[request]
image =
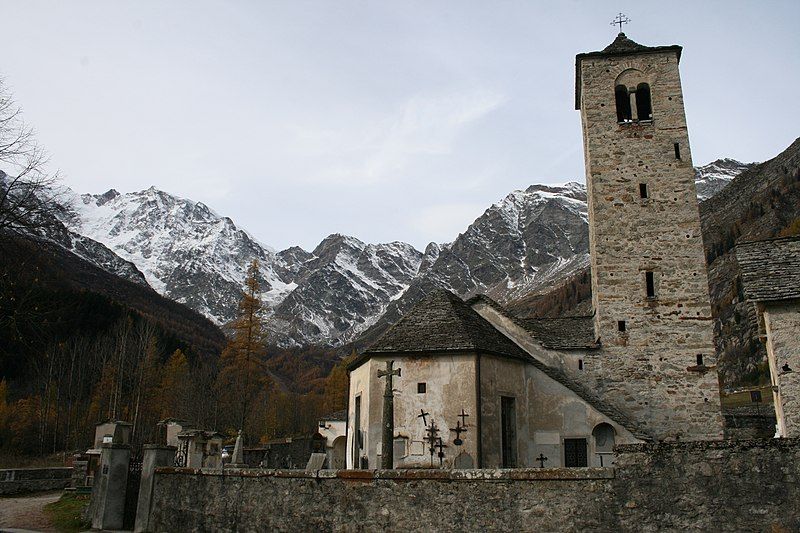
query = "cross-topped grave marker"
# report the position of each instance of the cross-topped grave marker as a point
(541, 460)
(463, 416)
(619, 20)
(387, 440)
(459, 429)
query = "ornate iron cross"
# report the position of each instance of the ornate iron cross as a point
(541, 460)
(619, 20)
(441, 446)
(459, 429)
(387, 440)
(463, 416)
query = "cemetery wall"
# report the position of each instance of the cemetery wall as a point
(19, 480)
(720, 485)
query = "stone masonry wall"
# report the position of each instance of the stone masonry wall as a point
(19, 480)
(712, 486)
(647, 369)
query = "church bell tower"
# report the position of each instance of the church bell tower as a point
(649, 282)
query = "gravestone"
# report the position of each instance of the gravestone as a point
(316, 462)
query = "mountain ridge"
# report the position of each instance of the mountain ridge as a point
(344, 287)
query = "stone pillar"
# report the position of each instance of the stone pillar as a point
(108, 494)
(155, 455)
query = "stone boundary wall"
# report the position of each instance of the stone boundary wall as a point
(720, 485)
(20, 480)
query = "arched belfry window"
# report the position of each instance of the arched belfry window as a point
(632, 96)
(644, 110)
(623, 103)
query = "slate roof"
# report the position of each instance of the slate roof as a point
(335, 416)
(443, 322)
(770, 268)
(565, 333)
(621, 46)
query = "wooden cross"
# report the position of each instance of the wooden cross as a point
(463, 416)
(423, 415)
(387, 440)
(620, 19)
(541, 460)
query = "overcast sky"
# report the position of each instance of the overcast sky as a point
(386, 120)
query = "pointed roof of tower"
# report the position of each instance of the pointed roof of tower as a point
(621, 46)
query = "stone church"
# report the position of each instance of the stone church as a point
(482, 388)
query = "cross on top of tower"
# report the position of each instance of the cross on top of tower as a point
(619, 20)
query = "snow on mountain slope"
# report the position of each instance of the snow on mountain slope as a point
(528, 240)
(713, 177)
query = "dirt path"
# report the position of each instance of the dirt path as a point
(27, 511)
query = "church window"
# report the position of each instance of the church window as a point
(644, 109)
(643, 191)
(575, 452)
(422, 388)
(677, 150)
(621, 326)
(623, 103)
(508, 428)
(650, 284)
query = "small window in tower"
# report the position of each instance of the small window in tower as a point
(699, 359)
(677, 150)
(422, 388)
(580, 364)
(643, 191)
(644, 110)
(755, 396)
(650, 283)
(623, 103)
(621, 326)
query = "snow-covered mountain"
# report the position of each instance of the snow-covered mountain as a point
(343, 287)
(713, 177)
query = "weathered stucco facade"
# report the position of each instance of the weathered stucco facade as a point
(649, 281)
(782, 323)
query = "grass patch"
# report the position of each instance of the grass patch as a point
(67, 513)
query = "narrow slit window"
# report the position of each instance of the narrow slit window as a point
(643, 193)
(580, 364)
(677, 150)
(699, 359)
(621, 326)
(422, 388)
(650, 284)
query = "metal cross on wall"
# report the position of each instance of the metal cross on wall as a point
(441, 446)
(463, 416)
(619, 20)
(387, 440)
(424, 416)
(541, 460)
(432, 432)
(459, 429)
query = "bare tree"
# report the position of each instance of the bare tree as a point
(27, 192)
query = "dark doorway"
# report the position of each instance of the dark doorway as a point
(357, 438)
(575, 452)
(508, 421)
